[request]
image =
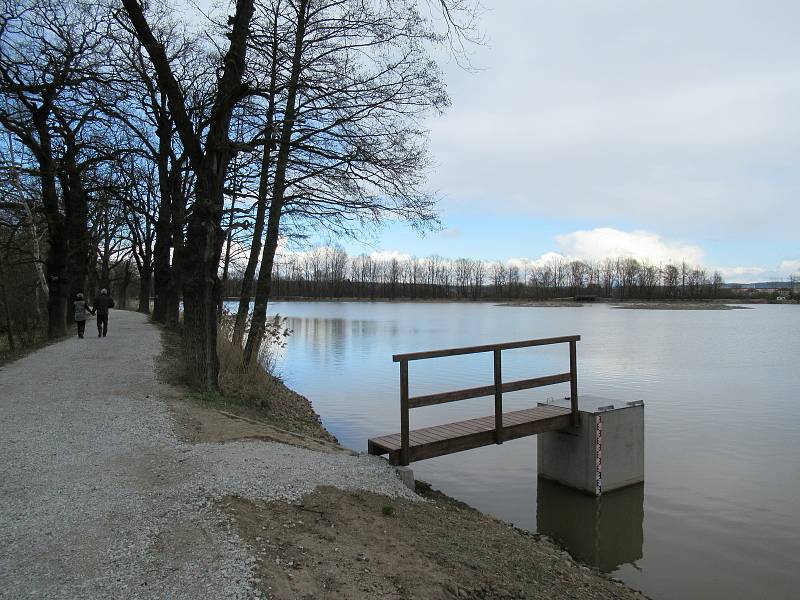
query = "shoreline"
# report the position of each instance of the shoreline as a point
(521, 302)
(345, 543)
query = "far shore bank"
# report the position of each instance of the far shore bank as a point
(628, 303)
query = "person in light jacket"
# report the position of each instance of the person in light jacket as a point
(81, 308)
(101, 305)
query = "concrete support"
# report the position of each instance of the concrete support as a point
(605, 452)
(406, 475)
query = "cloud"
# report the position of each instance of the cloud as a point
(450, 232)
(606, 242)
(746, 274)
(791, 266)
(605, 111)
(387, 255)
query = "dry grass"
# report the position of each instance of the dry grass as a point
(254, 384)
(253, 391)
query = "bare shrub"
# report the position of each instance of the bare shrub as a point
(254, 384)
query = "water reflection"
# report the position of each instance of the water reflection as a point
(604, 532)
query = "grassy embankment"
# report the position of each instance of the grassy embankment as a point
(251, 392)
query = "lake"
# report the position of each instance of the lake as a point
(719, 513)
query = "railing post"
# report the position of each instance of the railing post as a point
(573, 382)
(498, 398)
(404, 443)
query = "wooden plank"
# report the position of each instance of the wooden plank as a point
(486, 390)
(486, 438)
(387, 440)
(498, 397)
(465, 434)
(404, 411)
(422, 436)
(529, 428)
(444, 397)
(517, 417)
(526, 384)
(469, 427)
(476, 440)
(573, 386)
(484, 348)
(432, 434)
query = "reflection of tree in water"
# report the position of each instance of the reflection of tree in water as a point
(604, 531)
(331, 339)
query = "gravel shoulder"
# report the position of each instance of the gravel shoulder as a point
(117, 485)
(102, 499)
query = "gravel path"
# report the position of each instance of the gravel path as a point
(99, 499)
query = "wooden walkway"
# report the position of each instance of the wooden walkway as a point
(409, 446)
(473, 433)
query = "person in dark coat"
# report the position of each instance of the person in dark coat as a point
(101, 305)
(82, 309)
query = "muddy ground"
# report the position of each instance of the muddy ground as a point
(339, 544)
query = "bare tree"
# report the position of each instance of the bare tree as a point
(209, 157)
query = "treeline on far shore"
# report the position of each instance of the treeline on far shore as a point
(330, 273)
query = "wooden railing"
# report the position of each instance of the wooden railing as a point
(498, 388)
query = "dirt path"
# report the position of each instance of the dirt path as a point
(101, 499)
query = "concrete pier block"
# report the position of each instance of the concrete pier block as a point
(605, 452)
(602, 531)
(406, 475)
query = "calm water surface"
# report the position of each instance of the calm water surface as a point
(719, 513)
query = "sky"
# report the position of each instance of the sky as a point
(663, 130)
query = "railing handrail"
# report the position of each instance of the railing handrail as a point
(409, 402)
(484, 348)
(487, 390)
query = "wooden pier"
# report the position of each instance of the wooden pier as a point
(410, 446)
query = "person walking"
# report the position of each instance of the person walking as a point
(81, 309)
(101, 305)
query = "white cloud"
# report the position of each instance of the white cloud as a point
(450, 232)
(389, 255)
(606, 242)
(791, 266)
(681, 116)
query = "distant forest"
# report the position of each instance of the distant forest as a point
(327, 272)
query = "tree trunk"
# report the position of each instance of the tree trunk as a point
(227, 263)
(145, 283)
(77, 232)
(201, 289)
(264, 285)
(55, 265)
(7, 310)
(123, 289)
(255, 250)
(200, 257)
(161, 249)
(172, 293)
(246, 290)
